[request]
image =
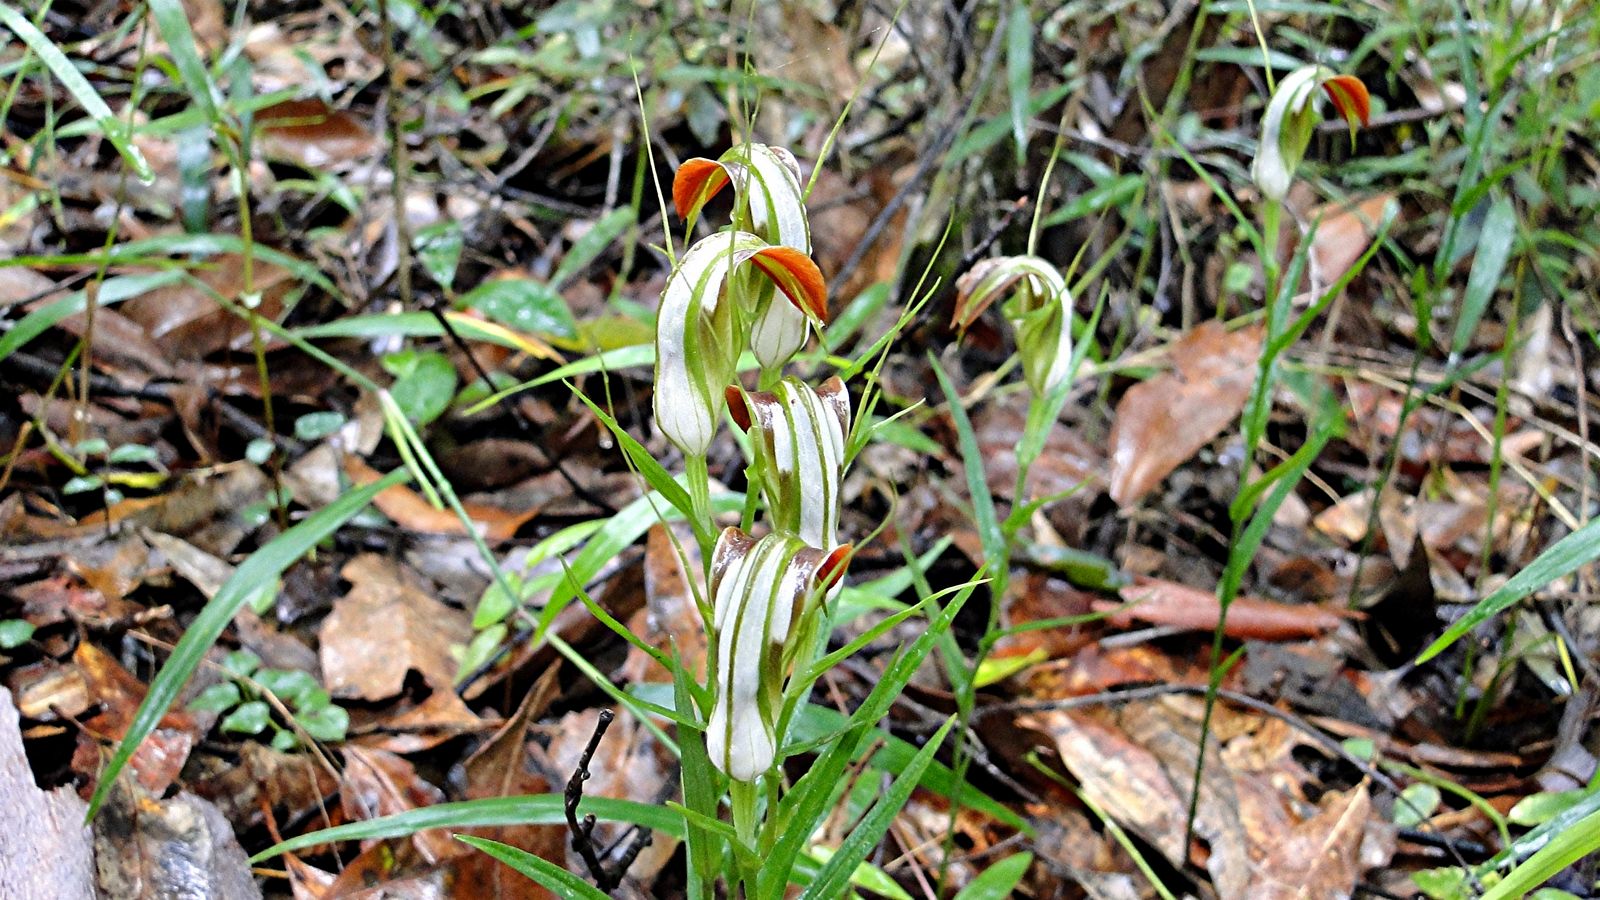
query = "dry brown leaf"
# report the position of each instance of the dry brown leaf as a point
(383, 784)
(669, 618)
(1320, 858)
(385, 627)
(1162, 422)
(500, 768)
(629, 765)
(1067, 463)
(159, 759)
(185, 319)
(1176, 605)
(410, 510)
(1137, 763)
(312, 135)
(1344, 231)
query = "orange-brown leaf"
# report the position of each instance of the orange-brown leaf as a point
(1159, 602)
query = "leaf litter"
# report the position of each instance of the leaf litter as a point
(1433, 491)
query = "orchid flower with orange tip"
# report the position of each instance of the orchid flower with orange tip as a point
(1038, 306)
(797, 439)
(760, 588)
(766, 183)
(698, 335)
(1291, 116)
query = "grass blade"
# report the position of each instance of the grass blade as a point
(173, 23)
(834, 877)
(528, 809)
(263, 567)
(547, 873)
(999, 880)
(1494, 248)
(973, 460)
(1557, 561)
(115, 130)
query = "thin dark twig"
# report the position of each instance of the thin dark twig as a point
(583, 832)
(977, 252)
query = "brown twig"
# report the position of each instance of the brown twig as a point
(583, 832)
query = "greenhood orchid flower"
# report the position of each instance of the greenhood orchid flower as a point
(797, 438)
(698, 336)
(769, 199)
(1039, 308)
(1291, 116)
(760, 588)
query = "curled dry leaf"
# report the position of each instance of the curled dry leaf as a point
(1343, 233)
(118, 693)
(1175, 605)
(1162, 422)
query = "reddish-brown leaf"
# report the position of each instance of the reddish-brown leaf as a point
(1162, 422)
(1175, 605)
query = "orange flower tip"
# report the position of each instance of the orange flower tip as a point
(1350, 97)
(737, 407)
(832, 568)
(695, 182)
(798, 277)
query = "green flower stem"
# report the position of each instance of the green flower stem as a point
(744, 797)
(698, 477)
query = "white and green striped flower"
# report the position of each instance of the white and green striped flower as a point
(1292, 116)
(797, 439)
(769, 200)
(1039, 308)
(698, 336)
(760, 589)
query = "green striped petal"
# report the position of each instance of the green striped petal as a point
(797, 441)
(698, 339)
(760, 588)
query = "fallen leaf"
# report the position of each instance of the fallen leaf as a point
(1176, 605)
(669, 618)
(187, 323)
(383, 784)
(161, 756)
(1162, 422)
(312, 135)
(1137, 766)
(500, 768)
(385, 627)
(1320, 858)
(1344, 231)
(411, 510)
(629, 764)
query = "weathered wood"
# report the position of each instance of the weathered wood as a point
(46, 850)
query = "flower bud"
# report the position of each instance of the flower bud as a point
(759, 589)
(797, 440)
(1039, 308)
(698, 339)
